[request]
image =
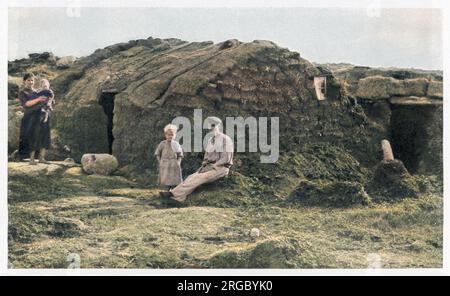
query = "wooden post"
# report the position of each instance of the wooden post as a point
(387, 150)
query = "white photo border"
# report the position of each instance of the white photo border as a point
(445, 5)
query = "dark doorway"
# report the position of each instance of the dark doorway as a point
(409, 137)
(107, 101)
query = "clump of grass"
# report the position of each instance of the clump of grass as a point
(272, 183)
(328, 162)
(25, 187)
(330, 194)
(25, 225)
(392, 182)
(276, 253)
(236, 190)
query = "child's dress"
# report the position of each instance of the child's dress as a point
(170, 154)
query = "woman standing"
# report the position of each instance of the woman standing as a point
(34, 133)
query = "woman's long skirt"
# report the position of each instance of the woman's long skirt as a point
(34, 133)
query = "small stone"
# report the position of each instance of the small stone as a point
(74, 261)
(254, 233)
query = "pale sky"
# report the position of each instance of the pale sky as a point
(407, 38)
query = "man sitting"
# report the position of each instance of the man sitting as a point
(216, 164)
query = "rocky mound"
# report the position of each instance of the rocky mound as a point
(392, 181)
(383, 83)
(409, 102)
(156, 80)
(44, 63)
(118, 100)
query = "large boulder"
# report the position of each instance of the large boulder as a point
(435, 89)
(100, 164)
(380, 87)
(65, 62)
(415, 82)
(415, 87)
(43, 57)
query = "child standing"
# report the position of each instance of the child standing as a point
(169, 154)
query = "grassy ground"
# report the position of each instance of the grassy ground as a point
(111, 222)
